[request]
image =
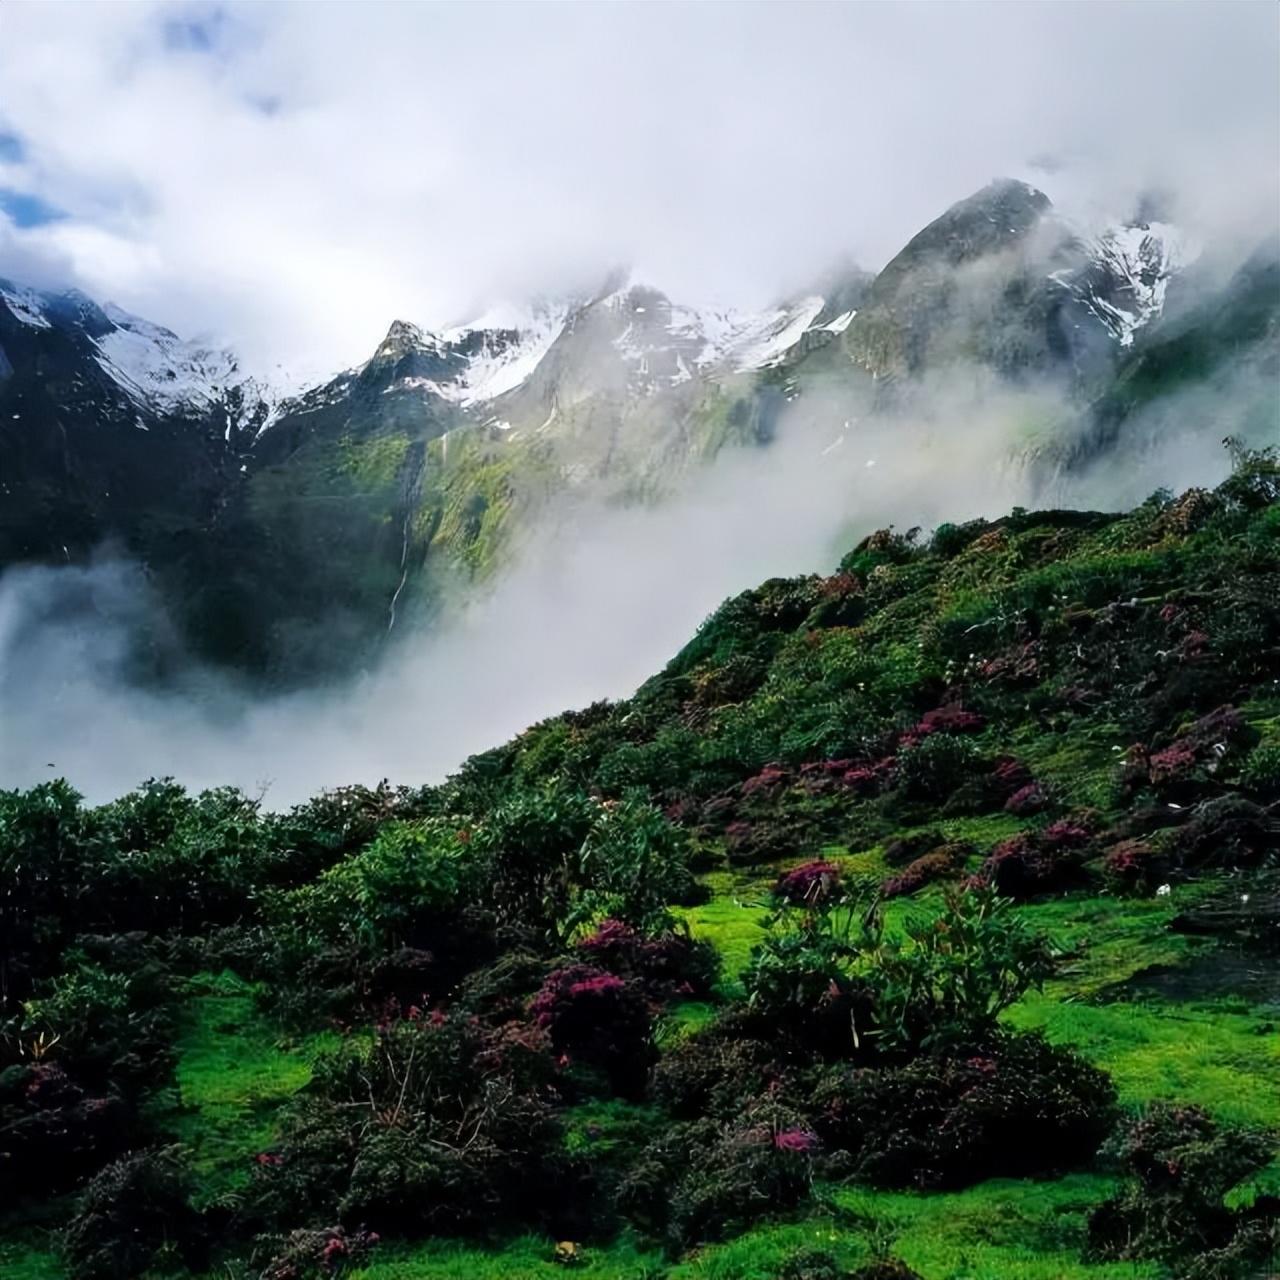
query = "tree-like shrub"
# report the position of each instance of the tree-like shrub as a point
(1026, 865)
(718, 1069)
(936, 766)
(316, 1253)
(937, 864)
(1260, 773)
(707, 1180)
(53, 1131)
(435, 1125)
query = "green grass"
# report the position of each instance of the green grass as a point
(1223, 1060)
(1000, 1230)
(22, 1259)
(234, 1070)
(528, 1258)
(732, 921)
(1220, 1054)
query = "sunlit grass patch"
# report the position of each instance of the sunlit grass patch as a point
(999, 1230)
(233, 1073)
(732, 920)
(528, 1258)
(1223, 1060)
(23, 1259)
(1218, 1053)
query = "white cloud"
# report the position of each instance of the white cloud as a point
(292, 176)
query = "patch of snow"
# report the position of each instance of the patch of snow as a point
(26, 305)
(1133, 264)
(839, 324)
(779, 333)
(744, 341)
(511, 345)
(165, 373)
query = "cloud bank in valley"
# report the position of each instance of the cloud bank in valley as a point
(293, 176)
(594, 606)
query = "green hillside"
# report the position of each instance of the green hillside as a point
(919, 919)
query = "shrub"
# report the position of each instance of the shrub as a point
(400, 889)
(816, 1264)
(530, 845)
(767, 837)
(1135, 866)
(1261, 771)
(1225, 832)
(904, 849)
(1025, 865)
(666, 964)
(435, 1125)
(1183, 1166)
(811, 884)
(1028, 799)
(943, 861)
(947, 977)
(935, 767)
(134, 1215)
(633, 864)
(311, 1253)
(759, 1164)
(54, 1131)
(1013, 1107)
(799, 981)
(600, 1019)
(718, 1069)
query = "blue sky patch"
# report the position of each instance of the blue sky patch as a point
(11, 149)
(197, 34)
(27, 210)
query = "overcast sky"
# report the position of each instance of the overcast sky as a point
(292, 177)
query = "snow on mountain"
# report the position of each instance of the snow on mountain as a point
(156, 366)
(511, 346)
(26, 304)
(167, 373)
(473, 363)
(1128, 274)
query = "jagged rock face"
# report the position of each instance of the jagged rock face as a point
(295, 529)
(973, 286)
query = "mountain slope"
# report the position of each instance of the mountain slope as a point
(860, 929)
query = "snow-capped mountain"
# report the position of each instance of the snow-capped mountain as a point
(267, 511)
(161, 373)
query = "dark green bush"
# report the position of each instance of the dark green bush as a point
(135, 1215)
(1183, 1165)
(1013, 1107)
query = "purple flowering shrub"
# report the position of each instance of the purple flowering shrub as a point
(133, 1217)
(598, 1019)
(1028, 864)
(811, 884)
(666, 965)
(763, 1158)
(315, 1253)
(54, 1130)
(433, 1126)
